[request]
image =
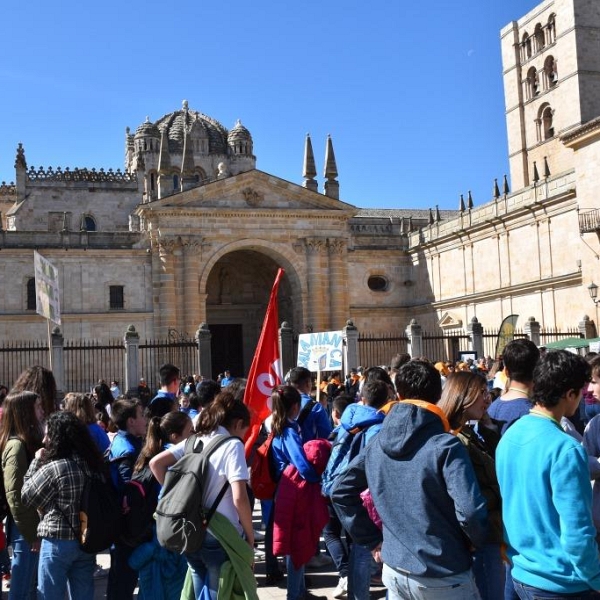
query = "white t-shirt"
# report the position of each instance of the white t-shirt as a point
(228, 463)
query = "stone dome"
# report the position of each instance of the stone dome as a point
(175, 122)
(147, 129)
(238, 133)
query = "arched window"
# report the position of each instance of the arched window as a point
(31, 302)
(551, 29)
(152, 182)
(532, 86)
(550, 72)
(547, 123)
(175, 183)
(88, 223)
(525, 47)
(540, 41)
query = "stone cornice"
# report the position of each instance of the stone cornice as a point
(583, 135)
(529, 287)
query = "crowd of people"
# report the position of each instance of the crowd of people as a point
(464, 480)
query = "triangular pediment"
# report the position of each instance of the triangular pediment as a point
(449, 321)
(251, 191)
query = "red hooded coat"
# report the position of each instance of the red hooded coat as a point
(300, 509)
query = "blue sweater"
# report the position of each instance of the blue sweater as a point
(547, 507)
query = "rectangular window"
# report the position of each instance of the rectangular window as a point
(31, 301)
(116, 297)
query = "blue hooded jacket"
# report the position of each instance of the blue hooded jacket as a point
(363, 417)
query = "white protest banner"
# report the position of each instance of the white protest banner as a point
(321, 351)
(47, 291)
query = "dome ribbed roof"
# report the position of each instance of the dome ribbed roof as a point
(175, 122)
(239, 132)
(147, 129)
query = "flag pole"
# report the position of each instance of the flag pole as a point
(49, 344)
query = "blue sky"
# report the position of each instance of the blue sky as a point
(411, 92)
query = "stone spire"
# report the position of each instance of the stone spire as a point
(505, 188)
(165, 181)
(188, 177)
(536, 175)
(332, 187)
(469, 200)
(496, 191)
(310, 170)
(21, 172)
(461, 205)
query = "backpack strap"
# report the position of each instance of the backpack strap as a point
(305, 412)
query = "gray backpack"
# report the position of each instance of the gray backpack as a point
(181, 517)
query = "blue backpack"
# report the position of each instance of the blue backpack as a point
(347, 445)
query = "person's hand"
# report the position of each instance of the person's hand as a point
(35, 547)
(376, 553)
(41, 453)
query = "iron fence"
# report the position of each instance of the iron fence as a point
(378, 348)
(154, 353)
(552, 335)
(445, 346)
(86, 362)
(15, 357)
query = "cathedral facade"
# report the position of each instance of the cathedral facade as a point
(191, 232)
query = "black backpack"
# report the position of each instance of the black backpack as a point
(99, 514)
(140, 498)
(181, 517)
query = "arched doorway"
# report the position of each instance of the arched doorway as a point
(238, 290)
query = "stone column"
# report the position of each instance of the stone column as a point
(156, 271)
(132, 360)
(338, 288)
(587, 328)
(57, 357)
(203, 337)
(414, 333)
(475, 331)
(286, 347)
(351, 356)
(317, 313)
(532, 329)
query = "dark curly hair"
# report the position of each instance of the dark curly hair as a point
(67, 436)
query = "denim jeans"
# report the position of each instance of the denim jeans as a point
(206, 566)
(359, 572)
(404, 585)
(332, 534)
(24, 566)
(509, 587)
(64, 565)
(526, 592)
(296, 588)
(489, 572)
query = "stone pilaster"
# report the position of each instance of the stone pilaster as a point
(166, 292)
(57, 357)
(351, 356)
(532, 329)
(338, 289)
(286, 347)
(192, 248)
(475, 332)
(318, 314)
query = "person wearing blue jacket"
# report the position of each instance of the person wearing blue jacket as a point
(424, 488)
(315, 424)
(545, 484)
(287, 449)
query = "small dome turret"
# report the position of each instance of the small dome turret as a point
(240, 140)
(147, 137)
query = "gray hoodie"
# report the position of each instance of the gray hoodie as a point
(425, 491)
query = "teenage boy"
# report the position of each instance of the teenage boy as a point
(424, 488)
(128, 416)
(545, 484)
(165, 400)
(314, 421)
(520, 358)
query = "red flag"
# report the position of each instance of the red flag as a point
(265, 372)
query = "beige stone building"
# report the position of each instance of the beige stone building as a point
(192, 232)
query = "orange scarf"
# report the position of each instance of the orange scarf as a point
(436, 410)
